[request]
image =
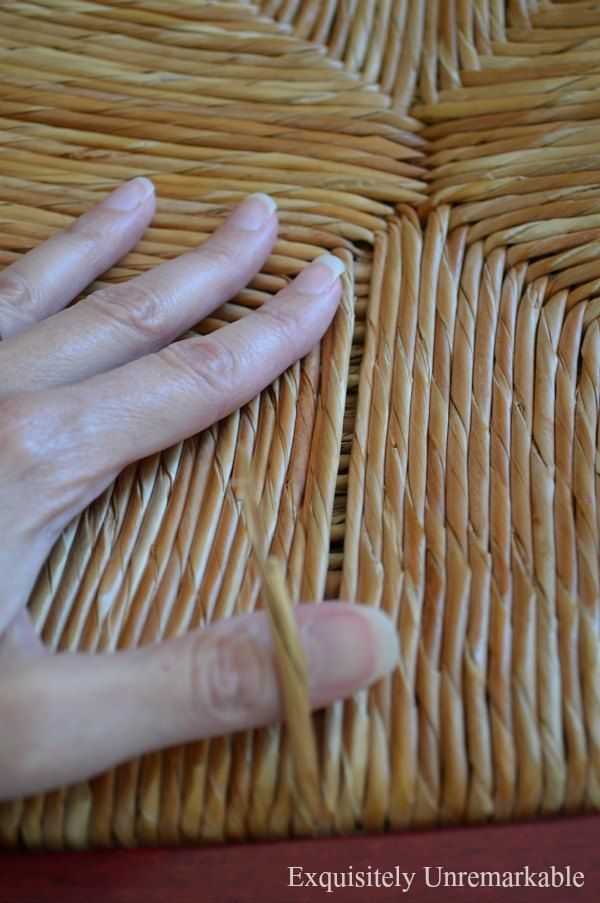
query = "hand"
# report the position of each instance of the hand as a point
(86, 390)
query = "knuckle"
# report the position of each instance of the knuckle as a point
(211, 362)
(231, 680)
(138, 309)
(87, 234)
(286, 322)
(221, 255)
(217, 364)
(18, 295)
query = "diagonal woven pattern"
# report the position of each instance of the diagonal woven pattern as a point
(438, 455)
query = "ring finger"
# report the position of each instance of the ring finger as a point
(118, 324)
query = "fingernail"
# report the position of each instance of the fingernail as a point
(320, 274)
(348, 647)
(130, 195)
(253, 212)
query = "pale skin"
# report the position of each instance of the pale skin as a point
(86, 390)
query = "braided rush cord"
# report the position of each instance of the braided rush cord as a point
(437, 456)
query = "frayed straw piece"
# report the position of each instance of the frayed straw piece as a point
(292, 666)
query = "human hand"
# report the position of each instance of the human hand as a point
(88, 389)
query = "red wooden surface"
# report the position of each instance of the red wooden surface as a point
(258, 872)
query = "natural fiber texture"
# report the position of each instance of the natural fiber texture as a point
(292, 670)
(437, 456)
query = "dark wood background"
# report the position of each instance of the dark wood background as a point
(258, 872)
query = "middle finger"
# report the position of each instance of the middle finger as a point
(121, 323)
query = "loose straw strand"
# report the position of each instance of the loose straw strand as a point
(292, 667)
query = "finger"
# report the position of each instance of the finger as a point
(115, 418)
(123, 322)
(47, 278)
(73, 716)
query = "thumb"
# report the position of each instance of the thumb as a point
(71, 716)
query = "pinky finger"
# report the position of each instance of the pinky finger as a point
(46, 279)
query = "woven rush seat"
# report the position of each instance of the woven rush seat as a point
(438, 455)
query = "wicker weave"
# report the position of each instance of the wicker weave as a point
(439, 454)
